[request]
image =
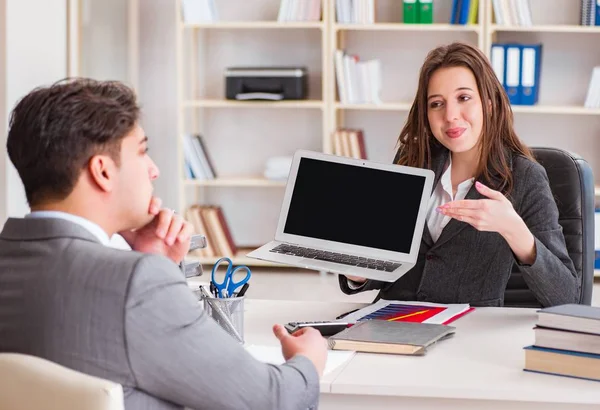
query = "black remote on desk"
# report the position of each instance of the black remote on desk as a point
(325, 327)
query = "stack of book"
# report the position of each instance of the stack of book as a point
(590, 13)
(518, 67)
(198, 164)
(567, 342)
(349, 143)
(359, 82)
(355, 11)
(512, 12)
(210, 221)
(464, 12)
(592, 99)
(199, 11)
(299, 10)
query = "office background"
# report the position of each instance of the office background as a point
(138, 41)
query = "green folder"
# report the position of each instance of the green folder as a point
(425, 11)
(411, 15)
(473, 11)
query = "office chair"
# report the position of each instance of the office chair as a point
(29, 382)
(572, 184)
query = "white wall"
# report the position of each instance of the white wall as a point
(36, 54)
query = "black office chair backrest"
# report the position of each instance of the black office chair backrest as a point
(572, 184)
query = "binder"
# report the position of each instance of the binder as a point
(410, 12)
(597, 15)
(426, 11)
(498, 56)
(473, 12)
(455, 11)
(513, 73)
(464, 11)
(530, 73)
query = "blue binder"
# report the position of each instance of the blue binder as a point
(512, 76)
(463, 18)
(531, 56)
(597, 22)
(455, 11)
(498, 60)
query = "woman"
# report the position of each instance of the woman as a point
(491, 206)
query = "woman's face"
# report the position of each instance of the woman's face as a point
(454, 109)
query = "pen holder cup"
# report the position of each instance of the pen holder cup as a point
(228, 313)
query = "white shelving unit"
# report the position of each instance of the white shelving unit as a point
(242, 135)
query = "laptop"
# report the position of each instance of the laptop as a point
(350, 216)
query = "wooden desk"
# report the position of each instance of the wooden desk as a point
(479, 368)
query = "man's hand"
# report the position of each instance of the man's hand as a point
(167, 234)
(306, 342)
(356, 279)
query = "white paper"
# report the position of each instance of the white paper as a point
(273, 355)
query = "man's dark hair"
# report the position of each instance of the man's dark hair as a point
(55, 130)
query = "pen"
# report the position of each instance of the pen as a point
(242, 291)
(224, 318)
(346, 314)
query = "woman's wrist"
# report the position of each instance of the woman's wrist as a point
(521, 241)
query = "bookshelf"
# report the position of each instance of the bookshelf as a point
(242, 135)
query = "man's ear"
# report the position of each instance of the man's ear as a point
(103, 171)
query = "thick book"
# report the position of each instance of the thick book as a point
(567, 340)
(577, 318)
(562, 363)
(380, 336)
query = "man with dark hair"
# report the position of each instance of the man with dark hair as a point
(126, 316)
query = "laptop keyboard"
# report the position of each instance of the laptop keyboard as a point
(350, 260)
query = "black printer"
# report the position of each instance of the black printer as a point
(266, 83)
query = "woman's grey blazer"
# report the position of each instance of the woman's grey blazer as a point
(469, 266)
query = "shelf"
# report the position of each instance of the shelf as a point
(525, 109)
(235, 182)
(239, 259)
(223, 25)
(555, 109)
(406, 27)
(548, 29)
(375, 107)
(253, 104)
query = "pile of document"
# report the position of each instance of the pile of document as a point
(278, 168)
(567, 342)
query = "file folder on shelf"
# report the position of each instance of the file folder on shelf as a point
(425, 11)
(513, 73)
(531, 55)
(498, 62)
(410, 12)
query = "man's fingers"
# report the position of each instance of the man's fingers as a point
(280, 332)
(164, 222)
(174, 229)
(155, 204)
(186, 232)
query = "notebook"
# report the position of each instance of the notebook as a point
(380, 336)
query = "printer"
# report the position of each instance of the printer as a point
(266, 83)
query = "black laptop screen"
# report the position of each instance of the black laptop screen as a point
(354, 205)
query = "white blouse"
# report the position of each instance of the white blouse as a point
(441, 195)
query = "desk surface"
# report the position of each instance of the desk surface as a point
(484, 360)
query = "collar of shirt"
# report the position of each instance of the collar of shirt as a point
(446, 181)
(93, 228)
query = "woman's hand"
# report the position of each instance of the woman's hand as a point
(495, 214)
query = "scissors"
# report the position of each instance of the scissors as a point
(227, 287)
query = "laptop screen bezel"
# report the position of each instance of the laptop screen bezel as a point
(345, 247)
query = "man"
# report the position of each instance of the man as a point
(127, 316)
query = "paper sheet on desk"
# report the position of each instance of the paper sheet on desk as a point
(273, 355)
(420, 312)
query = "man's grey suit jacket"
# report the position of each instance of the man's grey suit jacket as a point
(130, 318)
